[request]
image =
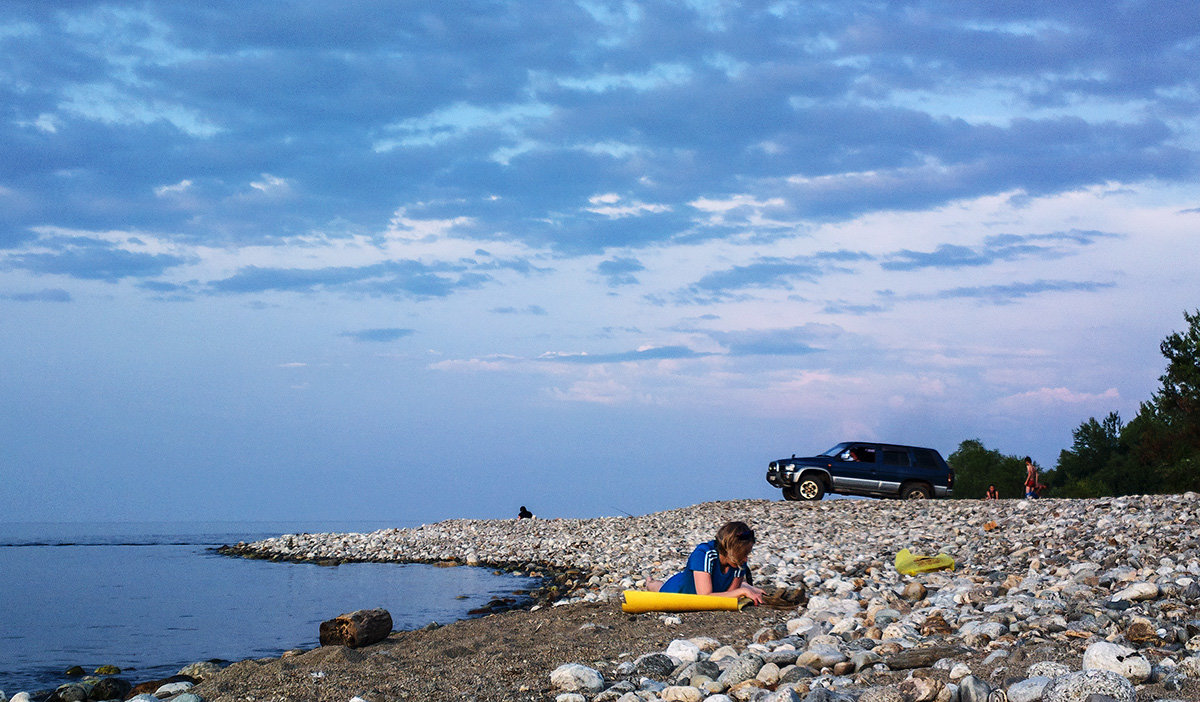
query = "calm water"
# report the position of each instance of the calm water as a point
(151, 598)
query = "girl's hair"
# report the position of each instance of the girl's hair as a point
(734, 541)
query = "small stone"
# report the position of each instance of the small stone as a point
(111, 689)
(654, 665)
(1190, 666)
(1121, 660)
(564, 697)
(973, 689)
(920, 689)
(1137, 592)
(172, 689)
(1074, 687)
(573, 677)
(73, 692)
(683, 650)
(742, 669)
(864, 659)
(914, 592)
(108, 670)
(768, 674)
(681, 693)
(1141, 631)
(1027, 690)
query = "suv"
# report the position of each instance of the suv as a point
(861, 468)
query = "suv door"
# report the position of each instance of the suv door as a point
(855, 470)
(894, 466)
(929, 464)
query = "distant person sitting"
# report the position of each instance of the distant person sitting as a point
(992, 493)
(1031, 481)
(524, 513)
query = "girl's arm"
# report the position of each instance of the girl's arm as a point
(736, 588)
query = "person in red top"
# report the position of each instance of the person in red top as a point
(1031, 481)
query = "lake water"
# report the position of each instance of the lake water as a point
(150, 598)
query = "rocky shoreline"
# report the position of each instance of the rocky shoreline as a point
(1055, 600)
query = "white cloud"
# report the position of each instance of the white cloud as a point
(109, 103)
(610, 205)
(180, 187)
(460, 119)
(1061, 396)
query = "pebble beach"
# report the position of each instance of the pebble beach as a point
(1055, 600)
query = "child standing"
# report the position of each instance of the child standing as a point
(717, 567)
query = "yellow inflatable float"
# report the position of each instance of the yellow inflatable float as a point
(911, 564)
(644, 601)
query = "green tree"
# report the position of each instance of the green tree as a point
(1159, 450)
(1083, 469)
(1165, 436)
(976, 467)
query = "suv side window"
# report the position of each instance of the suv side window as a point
(895, 458)
(924, 458)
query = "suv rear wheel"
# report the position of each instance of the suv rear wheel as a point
(915, 491)
(810, 488)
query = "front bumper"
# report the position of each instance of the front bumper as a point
(778, 474)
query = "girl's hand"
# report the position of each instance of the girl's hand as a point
(753, 593)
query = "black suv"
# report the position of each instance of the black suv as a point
(862, 468)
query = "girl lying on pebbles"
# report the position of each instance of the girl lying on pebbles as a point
(717, 567)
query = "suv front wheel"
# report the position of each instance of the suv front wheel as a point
(810, 488)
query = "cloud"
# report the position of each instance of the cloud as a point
(649, 353)
(93, 259)
(379, 335)
(403, 278)
(677, 122)
(1008, 293)
(1000, 247)
(620, 271)
(769, 272)
(1062, 396)
(796, 341)
(529, 309)
(47, 295)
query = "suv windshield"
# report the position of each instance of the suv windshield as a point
(836, 449)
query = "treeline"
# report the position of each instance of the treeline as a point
(1158, 451)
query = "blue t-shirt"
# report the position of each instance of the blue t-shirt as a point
(705, 560)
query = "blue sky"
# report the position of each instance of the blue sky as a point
(414, 261)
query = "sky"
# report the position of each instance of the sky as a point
(417, 261)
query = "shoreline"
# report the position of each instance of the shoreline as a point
(1039, 586)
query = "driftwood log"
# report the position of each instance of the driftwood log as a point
(357, 629)
(921, 657)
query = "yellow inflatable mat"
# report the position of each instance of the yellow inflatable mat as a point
(911, 564)
(644, 601)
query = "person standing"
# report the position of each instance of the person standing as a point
(1031, 481)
